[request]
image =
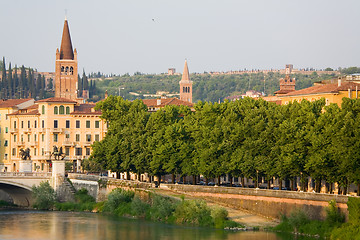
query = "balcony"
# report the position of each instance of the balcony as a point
(42, 130)
(56, 130)
(34, 143)
(68, 143)
(27, 130)
(87, 144)
(14, 130)
(20, 144)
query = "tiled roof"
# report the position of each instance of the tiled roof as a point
(325, 88)
(12, 102)
(85, 109)
(165, 102)
(282, 91)
(56, 99)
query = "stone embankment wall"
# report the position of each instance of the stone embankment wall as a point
(269, 203)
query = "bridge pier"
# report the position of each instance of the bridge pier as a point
(58, 173)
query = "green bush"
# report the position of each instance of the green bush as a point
(82, 196)
(162, 208)
(333, 215)
(5, 204)
(219, 216)
(297, 219)
(193, 212)
(117, 197)
(139, 207)
(44, 196)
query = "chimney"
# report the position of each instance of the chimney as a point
(158, 102)
(339, 82)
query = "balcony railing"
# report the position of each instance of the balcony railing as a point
(20, 144)
(14, 130)
(34, 143)
(26, 130)
(68, 143)
(87, 143)
(56, 130)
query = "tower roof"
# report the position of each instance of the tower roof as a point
(185, 76)
(66, 50)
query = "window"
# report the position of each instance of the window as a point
(35, 151)
(29, 137)
(56, 137)
(67, 110)
(35, 124)
(28, 124)
(56, 110)
(87, 123)
(43, 109)
(15, 138)
(67, 136)
(42, 152)
(42, 166)
(43, 124)
(77, 137)
(6, 156)
(97, 137)
(78, 151)
(42, 137)
(88, 137)
(35, 137)
(56, 124)
(14, 151)
(22, 124)
(6, 143)
(15, 125)
(97, 124)
(87, 151)
(22, 138)
(61, 109)
(77, 123)
(67, 123)
(6, 129)
(67, 151)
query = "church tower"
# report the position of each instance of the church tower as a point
(66, 67)
(186, 85)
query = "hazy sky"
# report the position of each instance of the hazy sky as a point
(119, 36)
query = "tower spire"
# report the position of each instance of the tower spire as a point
(185, 76)
(66, 50)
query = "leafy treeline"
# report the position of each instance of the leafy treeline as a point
(206, 87)
(247, 138)
(24, 85)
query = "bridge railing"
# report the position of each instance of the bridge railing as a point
(25, 174)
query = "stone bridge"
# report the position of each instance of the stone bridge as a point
(18, 186)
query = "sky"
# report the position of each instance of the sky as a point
(150, 36)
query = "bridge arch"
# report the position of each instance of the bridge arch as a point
(19, 193)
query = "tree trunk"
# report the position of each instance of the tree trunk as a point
(194, 180)
(207, 181)
(117, 175)
(280, 184)
(173, 178)
(231, 180)
(358, 190)
(159, 179)
(268, 184)
(331, 188)
(242, 182)
(184, 179)
(218, 178)
(339, 189)
(291, 184)
(318, 185)
(127, 175)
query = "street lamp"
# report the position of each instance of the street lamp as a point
(120, 91)
(257, 179)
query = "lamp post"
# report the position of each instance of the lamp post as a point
(120, 91)
(301, 182)
(257, 179)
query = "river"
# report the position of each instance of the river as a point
(87, 226)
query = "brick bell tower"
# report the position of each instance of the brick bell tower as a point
(66, 67)
(186, 85)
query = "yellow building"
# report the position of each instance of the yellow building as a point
(7, 107)
(331, 92)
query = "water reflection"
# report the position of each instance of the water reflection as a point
(87, 226)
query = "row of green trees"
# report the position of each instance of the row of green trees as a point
(246, 138)
(90, 86)
(26, 84)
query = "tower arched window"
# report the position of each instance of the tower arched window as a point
(56, 110)
(62, 69)
(71, 71)
(61, 109)
(67, 69)
(43, 109)
(68, 110)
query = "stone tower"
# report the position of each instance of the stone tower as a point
(66, 67)
(186, 85)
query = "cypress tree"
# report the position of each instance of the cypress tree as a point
(80, 86)
(16, 83)
(22, 82)
(3, 80)
(10, 82)
(38, 85)
(85, 81)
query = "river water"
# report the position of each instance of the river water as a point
(87, 226)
